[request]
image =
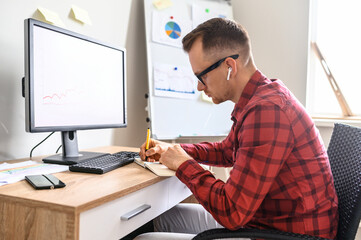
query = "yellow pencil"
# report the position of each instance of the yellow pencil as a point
(147, 142)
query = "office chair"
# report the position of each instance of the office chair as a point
(344, 153)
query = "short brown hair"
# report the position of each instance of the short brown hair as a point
(219, 34)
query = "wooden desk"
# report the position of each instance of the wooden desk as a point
(90, 206)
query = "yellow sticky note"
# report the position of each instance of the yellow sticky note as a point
(51, 17)
(81, 15)
(162, 4)
(205, 98)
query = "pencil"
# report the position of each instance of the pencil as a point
(147, 142)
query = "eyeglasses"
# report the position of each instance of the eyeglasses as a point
(214, 66)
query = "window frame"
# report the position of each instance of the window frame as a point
(312, 61)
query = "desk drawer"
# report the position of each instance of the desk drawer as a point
(178, 191)
(104, 222)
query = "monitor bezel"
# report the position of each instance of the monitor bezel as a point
(29, 79)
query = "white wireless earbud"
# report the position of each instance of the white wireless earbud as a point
(229, 73)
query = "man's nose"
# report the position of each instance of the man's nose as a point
(200, 86)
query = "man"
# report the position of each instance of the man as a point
(281, 177)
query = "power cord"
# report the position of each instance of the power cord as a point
(57, 150)
(31, 152)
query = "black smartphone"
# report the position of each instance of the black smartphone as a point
(45, 181)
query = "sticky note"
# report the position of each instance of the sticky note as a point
(51, 17)
(162, 4)
(205, 98)
(81, 15)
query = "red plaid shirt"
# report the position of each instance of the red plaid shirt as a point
(281, 177)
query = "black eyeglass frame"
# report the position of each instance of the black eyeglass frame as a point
(214, 66)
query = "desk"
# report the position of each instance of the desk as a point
(90, 206)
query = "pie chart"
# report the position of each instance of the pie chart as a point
(173, 30)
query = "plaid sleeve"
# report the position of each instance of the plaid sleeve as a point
(265, 141)
(213, 154)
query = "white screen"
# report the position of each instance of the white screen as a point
(76, 82)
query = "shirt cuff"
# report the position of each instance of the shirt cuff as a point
(187, 170)
(187, 147)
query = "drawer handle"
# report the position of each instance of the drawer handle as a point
(135, 212)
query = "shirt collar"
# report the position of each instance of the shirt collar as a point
(248, 92)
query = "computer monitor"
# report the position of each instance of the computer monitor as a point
(72, 82)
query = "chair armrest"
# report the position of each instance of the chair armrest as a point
(219, 233)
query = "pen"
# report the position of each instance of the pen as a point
(147, 143)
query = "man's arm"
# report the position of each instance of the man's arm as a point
(213, 154)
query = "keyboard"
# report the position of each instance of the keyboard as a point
(104, 163)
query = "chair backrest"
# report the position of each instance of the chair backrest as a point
(344, 153)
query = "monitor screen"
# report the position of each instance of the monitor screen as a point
(72, 82)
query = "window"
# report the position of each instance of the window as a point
(335, 25)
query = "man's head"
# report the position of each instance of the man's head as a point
(220, 36)
(213, 48)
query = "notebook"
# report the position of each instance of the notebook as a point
(155, 167)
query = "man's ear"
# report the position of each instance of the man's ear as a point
(232, 67)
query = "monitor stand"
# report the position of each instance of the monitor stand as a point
(70, 154)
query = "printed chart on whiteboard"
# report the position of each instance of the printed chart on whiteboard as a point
(169, 29)
(174, 81)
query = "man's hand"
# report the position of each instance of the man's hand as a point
(156, 149)
(171, 155)
(174, 156)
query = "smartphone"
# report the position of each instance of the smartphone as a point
(46, 181)
(56, 181)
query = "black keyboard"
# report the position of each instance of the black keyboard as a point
(104, 163)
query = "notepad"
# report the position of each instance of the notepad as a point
(156, 167)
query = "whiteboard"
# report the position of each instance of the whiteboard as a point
(175, 111)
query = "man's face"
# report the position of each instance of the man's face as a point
(215, 83)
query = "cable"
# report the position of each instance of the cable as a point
(31, 152)
(57, 150)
